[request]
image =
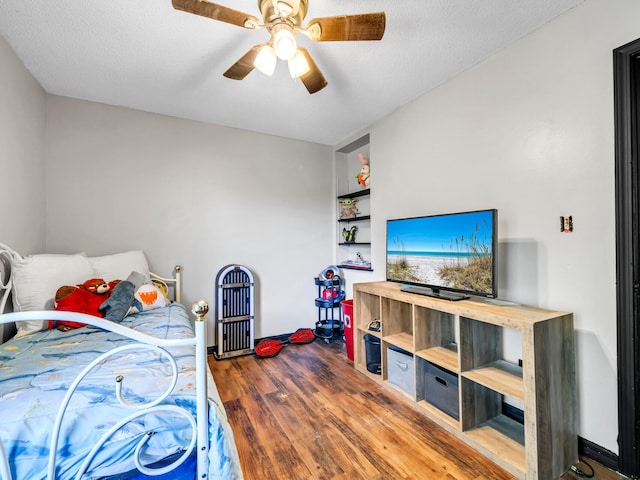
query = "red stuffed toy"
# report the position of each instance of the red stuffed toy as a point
(84, 298)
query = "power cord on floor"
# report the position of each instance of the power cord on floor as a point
(581, 473)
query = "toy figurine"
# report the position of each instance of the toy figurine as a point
(349, 208)
(363, 176)
(349, 235)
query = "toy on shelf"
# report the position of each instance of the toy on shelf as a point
(350, 234)
(365, 171)
(349, 208)
(359, 262)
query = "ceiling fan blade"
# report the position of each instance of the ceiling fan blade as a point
(244, 66)
(313, 80)
(216, 12)
(367, 26)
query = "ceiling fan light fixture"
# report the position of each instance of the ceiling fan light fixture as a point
(286, 7)
(266, 60)
(298, 65)
(284, 43)
(283, 20)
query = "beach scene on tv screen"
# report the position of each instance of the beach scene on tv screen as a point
(453, 251)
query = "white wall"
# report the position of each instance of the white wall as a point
(531, 133)
(199, 195)
(22, 175)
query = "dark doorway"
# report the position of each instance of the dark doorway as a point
(627, 108)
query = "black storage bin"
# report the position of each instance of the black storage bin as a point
(372, 351)
(441, 389)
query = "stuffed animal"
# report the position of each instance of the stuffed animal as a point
(349, 208)
(84, 298)
(363, 176)
(117, 306)
(148, 297)
(133, 295)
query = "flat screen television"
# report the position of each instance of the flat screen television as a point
(450, 256)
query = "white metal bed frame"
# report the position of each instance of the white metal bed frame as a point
(199, 341)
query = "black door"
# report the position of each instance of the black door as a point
(627, 108)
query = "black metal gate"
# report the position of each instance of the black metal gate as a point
(234, 312)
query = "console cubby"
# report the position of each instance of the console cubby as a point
(462, 342)
(369, 308)
(484, 422)
(482, 359)
(435, 338)
(397, 324)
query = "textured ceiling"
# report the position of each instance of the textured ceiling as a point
(145, 55)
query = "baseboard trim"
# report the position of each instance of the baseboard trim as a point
(597, 453)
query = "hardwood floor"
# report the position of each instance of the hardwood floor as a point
(308, 414)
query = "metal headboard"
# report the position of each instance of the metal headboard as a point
(167, 284)
(7, 255)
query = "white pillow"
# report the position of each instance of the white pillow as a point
(119, 265)
(36, 279)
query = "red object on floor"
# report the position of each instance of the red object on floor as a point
(269, 348)
(347, 313)
(302, 336)
(272, 346)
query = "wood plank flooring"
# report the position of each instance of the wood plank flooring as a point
(307, 414)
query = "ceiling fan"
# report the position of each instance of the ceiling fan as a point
(283, 20)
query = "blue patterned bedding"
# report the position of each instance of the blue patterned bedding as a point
(36, 371)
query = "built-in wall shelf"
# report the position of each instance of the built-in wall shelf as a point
(355, 199)
(351, 267)
(360, 193)
(355, 219)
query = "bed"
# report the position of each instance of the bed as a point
(111, 400)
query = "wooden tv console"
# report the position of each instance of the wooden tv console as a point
(465, 338)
